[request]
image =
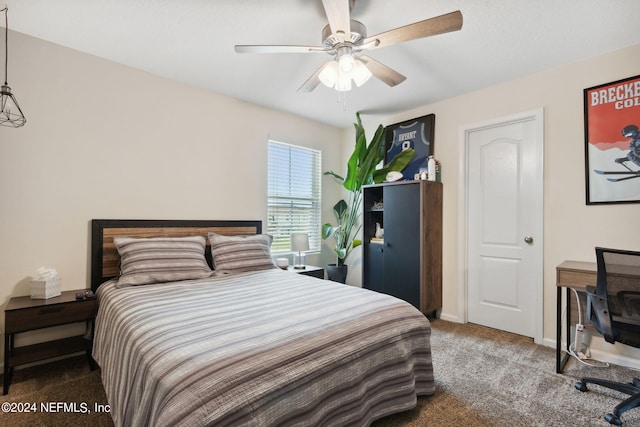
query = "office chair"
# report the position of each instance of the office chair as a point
(613, 307)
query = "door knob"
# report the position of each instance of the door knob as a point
(528, 239)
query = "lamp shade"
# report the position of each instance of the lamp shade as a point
(329, 74)
(299, 242)
(361, 73)
(10, 113)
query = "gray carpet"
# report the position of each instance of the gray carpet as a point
(487, 377)
(484, 377)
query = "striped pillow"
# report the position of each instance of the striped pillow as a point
(161, 259)
(235, 254)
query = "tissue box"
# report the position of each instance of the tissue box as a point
(44, 289)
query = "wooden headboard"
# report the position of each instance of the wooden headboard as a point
(105, 262)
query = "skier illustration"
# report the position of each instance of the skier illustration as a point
(633, 156)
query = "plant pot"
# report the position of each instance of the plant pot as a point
(337, 273)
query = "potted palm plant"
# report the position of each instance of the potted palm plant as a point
(361, 170)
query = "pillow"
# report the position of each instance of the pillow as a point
(235, 254)
(161, 259)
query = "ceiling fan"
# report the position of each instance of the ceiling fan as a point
(346, 40)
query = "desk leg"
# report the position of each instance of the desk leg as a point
(567, 295)
(560, 360)
(558, 329)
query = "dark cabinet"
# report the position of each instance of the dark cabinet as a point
(373, 262)
(406, 261)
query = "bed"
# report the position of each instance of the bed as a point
(252, 347)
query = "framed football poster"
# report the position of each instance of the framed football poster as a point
(415, 133)
(612, 142)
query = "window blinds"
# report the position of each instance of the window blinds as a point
(294, 194)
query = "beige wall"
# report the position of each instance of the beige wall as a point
(571, 228)
(106, 141)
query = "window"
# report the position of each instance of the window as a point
(294, 195)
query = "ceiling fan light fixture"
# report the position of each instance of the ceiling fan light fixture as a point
(329, 74)
(335, 76)
(361, 73)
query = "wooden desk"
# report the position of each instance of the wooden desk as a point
(570, 275)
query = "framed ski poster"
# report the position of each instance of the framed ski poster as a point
(612, 142)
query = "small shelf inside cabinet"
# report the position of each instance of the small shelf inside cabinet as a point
(376, 205)
(376, 241)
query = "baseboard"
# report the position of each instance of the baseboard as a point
(603, 356)
(449, 318)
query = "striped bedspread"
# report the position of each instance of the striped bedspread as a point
(268, 348)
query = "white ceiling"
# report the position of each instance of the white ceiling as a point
(192, 41)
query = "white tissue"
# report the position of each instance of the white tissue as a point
(46, 273)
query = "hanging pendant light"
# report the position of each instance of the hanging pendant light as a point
(10, 112)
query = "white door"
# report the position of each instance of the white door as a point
(504, 224)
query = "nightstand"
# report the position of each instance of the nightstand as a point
(310, 270)
(24, 314)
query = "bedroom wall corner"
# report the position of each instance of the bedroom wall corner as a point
(571, 228)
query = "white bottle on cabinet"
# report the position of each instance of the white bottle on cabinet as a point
(431, 169)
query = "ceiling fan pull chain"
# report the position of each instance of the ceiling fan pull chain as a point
(342, 99)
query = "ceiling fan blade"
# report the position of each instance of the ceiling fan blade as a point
(382, 72)
(429, 27)
(249, 48)
(313, 81)
(338, 15)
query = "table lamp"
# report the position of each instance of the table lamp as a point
(299, 244)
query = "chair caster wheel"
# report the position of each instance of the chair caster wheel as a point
(581, 386)
(612, 419)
